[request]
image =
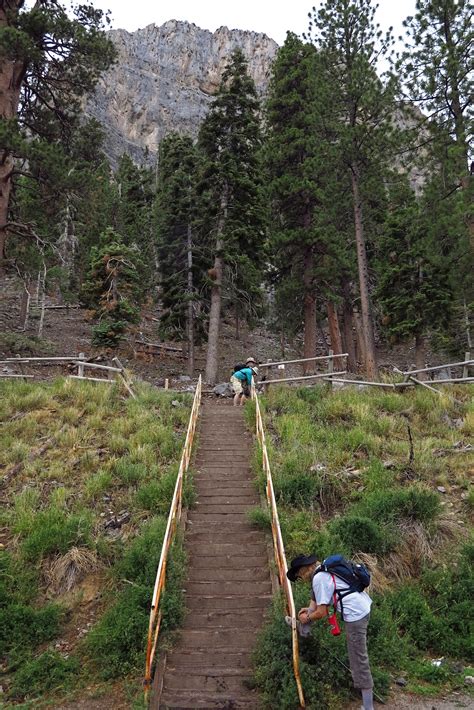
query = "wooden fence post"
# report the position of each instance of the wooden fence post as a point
(465, 369)
(80, 368)
(331, 366)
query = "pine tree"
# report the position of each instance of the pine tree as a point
(413, 291)
(113, 288)
(350, 44)
(135, 196)
(48, 61)
(438, 68)
(175, 214)
(292, 153)
(231, 195)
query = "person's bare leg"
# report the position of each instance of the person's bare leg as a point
(236, 399)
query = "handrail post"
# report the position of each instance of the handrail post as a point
(174, 517)
(278, 546)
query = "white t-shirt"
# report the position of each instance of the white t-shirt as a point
(356, 605)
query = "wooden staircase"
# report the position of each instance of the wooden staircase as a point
(229, 587)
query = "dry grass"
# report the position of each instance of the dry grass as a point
(417, 547)
(67, 570)
(379, 582)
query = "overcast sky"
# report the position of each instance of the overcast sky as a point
(272, 18)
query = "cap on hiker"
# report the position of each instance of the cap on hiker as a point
(297, 563)
(254, 370)
(250, 359)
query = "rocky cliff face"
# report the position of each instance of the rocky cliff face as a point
(164, 80)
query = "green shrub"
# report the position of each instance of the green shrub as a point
(260, 517)
(56, 532)
(360, 534)
(157, 495)
(48, 671)
(22, 626)
(413, 503)
(128, 471)
(98, 483)
(117, 642)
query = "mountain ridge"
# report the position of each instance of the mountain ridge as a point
(164, 80)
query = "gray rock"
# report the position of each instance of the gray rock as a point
(401, 682)
(165, 79)
(443, 374)
(175, 403)
(223, 390)
(184, 378)
(469, 680)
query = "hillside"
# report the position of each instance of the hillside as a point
(87, 479)
(385, 479)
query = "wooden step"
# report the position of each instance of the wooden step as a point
(227, 589)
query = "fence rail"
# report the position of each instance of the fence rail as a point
(278, 546)
(173, 519)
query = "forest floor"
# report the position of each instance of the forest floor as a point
(68, 331)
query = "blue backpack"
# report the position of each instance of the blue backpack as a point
(356, 575)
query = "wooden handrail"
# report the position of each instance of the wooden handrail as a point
(173, 518)
(278, 545)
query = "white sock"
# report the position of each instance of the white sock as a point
(367, 698)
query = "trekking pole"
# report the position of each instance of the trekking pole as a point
(381, 700)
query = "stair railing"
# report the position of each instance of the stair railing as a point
(278, 547)
(173, 519)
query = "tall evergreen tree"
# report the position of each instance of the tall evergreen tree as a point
(350, 44)
(232, 205)
(175, 214)
(438, 71)
(47, 62)
(292, 153)
(413, 289)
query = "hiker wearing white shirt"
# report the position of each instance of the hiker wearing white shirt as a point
(354, 606)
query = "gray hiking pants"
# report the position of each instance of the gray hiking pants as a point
(356, 636)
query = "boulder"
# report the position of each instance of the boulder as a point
(223, 390)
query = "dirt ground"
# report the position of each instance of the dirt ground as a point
(68, 332)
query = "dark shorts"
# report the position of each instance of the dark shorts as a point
(356, 636)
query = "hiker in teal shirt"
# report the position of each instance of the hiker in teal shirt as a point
(241, 382)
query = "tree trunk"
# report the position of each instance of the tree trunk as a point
(366, 310)
(190, 323)
(359, 337)
(68, 243)
(11, 78)
(42, 300)
(212, 359)
(310, 339)
(25, 304)
(348, 333)
(335, 334)
(420, 355)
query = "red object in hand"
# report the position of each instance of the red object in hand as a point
(334, 624)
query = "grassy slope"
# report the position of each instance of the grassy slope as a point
(74, 592)
(344, 483)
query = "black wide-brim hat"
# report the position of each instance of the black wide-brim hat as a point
(297, 563)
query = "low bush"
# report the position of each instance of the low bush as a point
(129, 472)
(56, 532)
(414, 503)
(117, 642)
(21, 625)
(361, 534)
(48, 671)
